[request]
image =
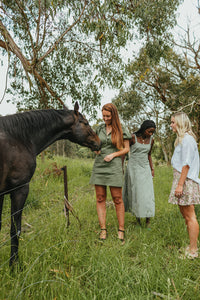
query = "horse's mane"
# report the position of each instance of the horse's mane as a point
(23, 125)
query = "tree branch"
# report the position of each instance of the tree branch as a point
(27, 25)
(38, 24)
(62, 35)
(6, 74)
(43, 83)
(156, 87)
(44, 31)
(12, 46)
(26, 64)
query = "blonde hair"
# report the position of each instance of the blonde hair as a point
(117, 133)
(183, 126)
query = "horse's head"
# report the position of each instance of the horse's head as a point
(82, 133)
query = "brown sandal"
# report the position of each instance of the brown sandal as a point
(122, 240)
(103, 234)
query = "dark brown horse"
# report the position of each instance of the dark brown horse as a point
(22, 137)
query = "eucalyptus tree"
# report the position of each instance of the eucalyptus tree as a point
(62, 50)
(171, 82)
(160, 88)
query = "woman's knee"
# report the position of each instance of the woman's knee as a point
(101, 198)
(117, 200)
(100, 193)
(116, 195)
(190, 218)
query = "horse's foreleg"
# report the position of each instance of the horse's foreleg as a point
(18, 199)
(1, 208)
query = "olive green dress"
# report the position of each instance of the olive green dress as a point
(108, 173)
(138, 192)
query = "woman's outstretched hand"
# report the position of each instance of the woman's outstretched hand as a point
(97, 152)
(108, 157)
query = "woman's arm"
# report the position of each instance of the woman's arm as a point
(132, 141)
(118, 153)
(179, 188)
(150, 159)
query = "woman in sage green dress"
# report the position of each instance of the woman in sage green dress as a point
(138, 192)
(107, 169)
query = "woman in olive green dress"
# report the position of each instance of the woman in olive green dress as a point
(138, 192)
(107, 169)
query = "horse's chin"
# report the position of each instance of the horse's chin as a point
(93, 147)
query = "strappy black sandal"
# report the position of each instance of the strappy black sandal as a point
(122, 240)
(101, 238)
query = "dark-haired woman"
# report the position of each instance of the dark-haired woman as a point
(138, 192)
(107, 169)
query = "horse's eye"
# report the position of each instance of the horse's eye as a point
(85, 122)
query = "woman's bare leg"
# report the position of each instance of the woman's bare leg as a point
(101, 208)
(116, 193)
(189, 215)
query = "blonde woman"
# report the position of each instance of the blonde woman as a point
(185, 187)
(107, 170)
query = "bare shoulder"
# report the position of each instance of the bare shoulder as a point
(133, 138)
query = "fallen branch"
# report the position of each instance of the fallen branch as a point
(68, 207)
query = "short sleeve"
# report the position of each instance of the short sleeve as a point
(98, 129)
(126, 134)
(188, 151)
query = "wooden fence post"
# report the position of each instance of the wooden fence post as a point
(66, 206)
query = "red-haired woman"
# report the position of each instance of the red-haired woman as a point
(107, 169)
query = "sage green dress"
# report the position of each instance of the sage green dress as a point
(108, 173)
(138, 192)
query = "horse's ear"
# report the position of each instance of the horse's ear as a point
(65, 107)
(76, 108)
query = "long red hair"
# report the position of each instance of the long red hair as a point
(117, 133)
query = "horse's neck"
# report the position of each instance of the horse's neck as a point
(56, 131)
(38, 129)
(42, 144)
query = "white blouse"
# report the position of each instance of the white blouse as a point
(187, 153)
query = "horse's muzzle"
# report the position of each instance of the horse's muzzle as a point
(97, 147)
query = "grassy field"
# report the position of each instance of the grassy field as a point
(57, 262)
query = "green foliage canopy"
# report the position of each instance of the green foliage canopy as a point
(62, 50)
(170, 82)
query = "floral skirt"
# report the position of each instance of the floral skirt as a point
(191, 191)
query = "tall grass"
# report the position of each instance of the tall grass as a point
(57, 262)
